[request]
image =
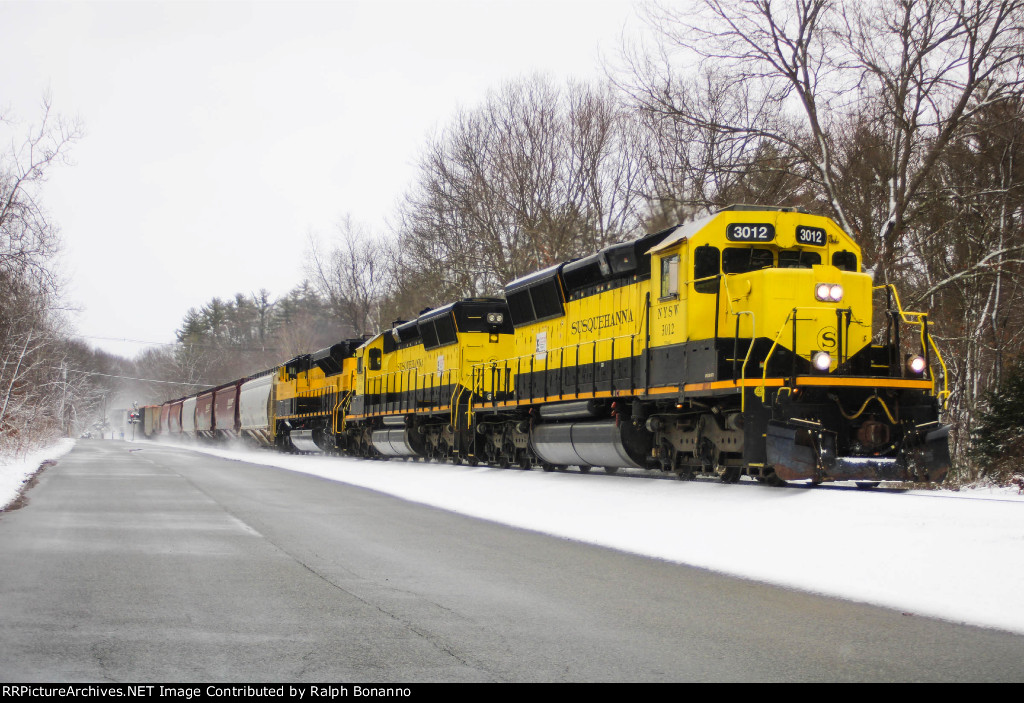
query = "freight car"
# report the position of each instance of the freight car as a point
(748, 342)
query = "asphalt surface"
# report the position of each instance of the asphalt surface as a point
(138, 562)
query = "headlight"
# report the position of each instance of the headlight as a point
(821, 361)
(495, 318)
(916, 365)
(828, 292)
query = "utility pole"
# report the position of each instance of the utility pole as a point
(64, 415)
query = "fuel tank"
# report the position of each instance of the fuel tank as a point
(393, 441)
(600, 443)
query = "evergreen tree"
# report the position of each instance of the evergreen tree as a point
(999, 437)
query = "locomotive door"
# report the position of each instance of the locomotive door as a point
(706, 282)
(668, 298)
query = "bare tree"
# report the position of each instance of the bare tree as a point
(693, 164)
(30, 323)
(28, 238)
(535, 175)
(898, 117)
(810, 71)
(353, 276)
(969, 246)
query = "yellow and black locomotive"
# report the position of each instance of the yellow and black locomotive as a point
(747, 342)
(741, 343)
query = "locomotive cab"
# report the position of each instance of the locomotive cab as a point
(775, 286)
(775, 335)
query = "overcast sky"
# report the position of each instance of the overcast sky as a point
(219, 134)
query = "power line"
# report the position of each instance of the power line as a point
(199, 345)
(123, 339)
(131, 378)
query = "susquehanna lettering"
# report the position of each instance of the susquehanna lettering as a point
(599, 322)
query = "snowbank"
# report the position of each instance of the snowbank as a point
(15, 472)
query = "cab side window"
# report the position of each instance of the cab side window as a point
(670, 276)
(845, 261)
(705, 264)
(744, 259)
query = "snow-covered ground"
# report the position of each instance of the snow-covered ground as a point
(953, 555)
(14, 472)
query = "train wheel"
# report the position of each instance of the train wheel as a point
(865, 485)
(611, 469)
(707, 452)
(684, 473)
(508, 455)
(772, 479)
(524, 461)
(546, 466)
(731, 474)
(666, 458)
(585, 469)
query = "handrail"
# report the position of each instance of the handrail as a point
(899, 306)
(342, 405)
(578, 347)
(743, 368)
(926, 341)
(557, 349)
(753, 336)
(782, 328)
(764, 375)
(381, 385)
(944, 394)
(453, 403)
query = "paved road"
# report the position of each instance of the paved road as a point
(137, 562)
